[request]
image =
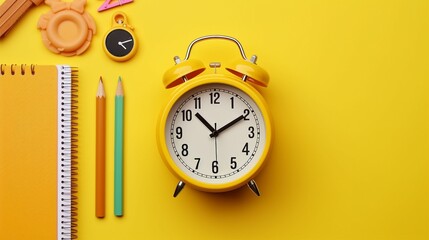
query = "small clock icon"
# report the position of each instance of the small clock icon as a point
(120, 43)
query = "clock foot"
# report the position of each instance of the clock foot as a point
(179, 188)
(252, 185)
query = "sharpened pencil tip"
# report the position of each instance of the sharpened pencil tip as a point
(101, 79)
(100, 89)
(119, 88)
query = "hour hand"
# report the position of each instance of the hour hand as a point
(204, 121)
(121, 44)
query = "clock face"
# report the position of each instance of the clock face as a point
(119, 42)
(215, 133)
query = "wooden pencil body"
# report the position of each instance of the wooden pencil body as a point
(100, 156)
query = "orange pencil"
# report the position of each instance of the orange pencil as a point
(100, 178)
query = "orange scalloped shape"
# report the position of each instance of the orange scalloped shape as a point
(78, 6)
(67, 29)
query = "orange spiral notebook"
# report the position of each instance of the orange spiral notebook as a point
(38, 152)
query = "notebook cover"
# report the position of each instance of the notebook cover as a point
(29, 153)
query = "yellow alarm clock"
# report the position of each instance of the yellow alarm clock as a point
(214, 133)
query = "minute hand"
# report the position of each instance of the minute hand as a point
(215, 133)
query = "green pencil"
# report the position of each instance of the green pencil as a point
(119, 150)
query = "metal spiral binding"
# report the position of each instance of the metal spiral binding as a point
(68, 152)
(14, 69)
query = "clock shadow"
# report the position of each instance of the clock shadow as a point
(227, 201)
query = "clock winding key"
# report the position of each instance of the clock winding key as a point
(12, 10)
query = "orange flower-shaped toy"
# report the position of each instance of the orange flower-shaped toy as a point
(67, 29)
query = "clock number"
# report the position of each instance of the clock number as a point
(197, 102)
(215, 168)
(246, 113)
(252, 132)
(214, 98)
(186, 115)
(198, 162)
(233, 163)
(232, 102)
(179, 133)
(246, 149)
(185, 151)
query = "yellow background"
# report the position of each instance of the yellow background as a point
(350, 105)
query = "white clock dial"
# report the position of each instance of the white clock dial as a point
(215, 133)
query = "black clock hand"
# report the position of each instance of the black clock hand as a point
(215, 145)
(216, 132)
(207, 124)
